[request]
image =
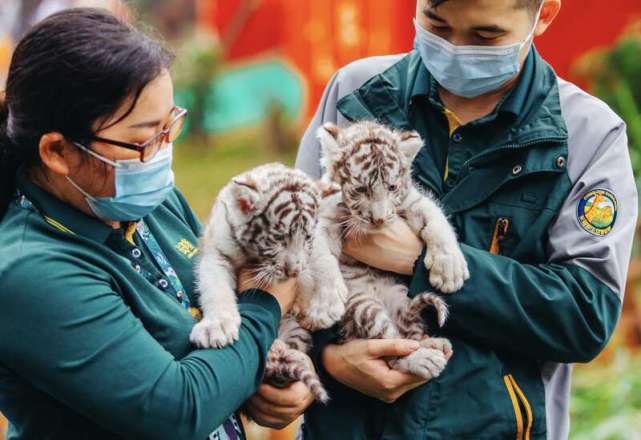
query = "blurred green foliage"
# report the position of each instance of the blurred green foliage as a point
(614, 75)
(202, 172)
(606, 400)
(199, 59)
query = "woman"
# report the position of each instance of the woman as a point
(95, 303)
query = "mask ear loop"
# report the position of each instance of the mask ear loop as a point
(530, 36)
(82, 191)
(97, 156)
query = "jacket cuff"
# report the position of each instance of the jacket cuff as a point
(420, 275)
(263, 300)
(320, 340)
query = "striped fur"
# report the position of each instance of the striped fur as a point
(371, 164)
(267, 219)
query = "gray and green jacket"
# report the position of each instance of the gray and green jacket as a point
(542, 195)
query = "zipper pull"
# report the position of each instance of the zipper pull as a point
(500, 231)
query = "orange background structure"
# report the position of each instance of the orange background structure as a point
(318, 37)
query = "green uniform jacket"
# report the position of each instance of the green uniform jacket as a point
(94, 342)
(545, 184)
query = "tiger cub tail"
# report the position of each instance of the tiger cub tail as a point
(410, 321)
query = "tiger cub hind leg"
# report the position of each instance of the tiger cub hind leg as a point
(286, 365)
(430, 360)
(367, 318)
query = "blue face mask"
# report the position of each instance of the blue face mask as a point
(140, 186)
(469, 71)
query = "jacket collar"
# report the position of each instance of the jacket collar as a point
(61, 215)
(533, 105)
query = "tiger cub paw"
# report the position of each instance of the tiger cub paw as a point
(447, 266)
(218, 331)
(325, 308)
(427, 363)
(441, 344)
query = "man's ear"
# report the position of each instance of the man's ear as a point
(57, 153)
(549, 11)
(246, 193)
(410, 145)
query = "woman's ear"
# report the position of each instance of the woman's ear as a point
(56, 153)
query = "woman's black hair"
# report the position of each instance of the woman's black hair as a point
(73, 69)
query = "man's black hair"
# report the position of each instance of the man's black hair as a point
(532, 4)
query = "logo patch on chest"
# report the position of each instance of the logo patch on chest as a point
(186, 248)
(597, 212)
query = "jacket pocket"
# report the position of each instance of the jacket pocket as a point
(522, 409)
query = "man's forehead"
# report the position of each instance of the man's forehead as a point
(476, 13)
(480, 5)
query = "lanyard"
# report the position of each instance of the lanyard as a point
(163, 262)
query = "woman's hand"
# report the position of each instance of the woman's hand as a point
(392, 248)
(361, 365)
(278, 407)
(284, 291)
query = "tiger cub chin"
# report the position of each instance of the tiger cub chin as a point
(267, 219)
(370, 163)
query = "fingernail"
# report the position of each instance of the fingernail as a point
(413, 345)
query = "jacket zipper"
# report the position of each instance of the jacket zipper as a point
(501, 227)
(516, 406)
(529, 418)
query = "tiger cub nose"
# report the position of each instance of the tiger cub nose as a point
(378, 221)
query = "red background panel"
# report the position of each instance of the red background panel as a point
(318, 36)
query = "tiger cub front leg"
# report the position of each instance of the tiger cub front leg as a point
(287, 361)
(444, 259)
(322, 291)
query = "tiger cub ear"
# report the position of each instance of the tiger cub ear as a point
(246, 194)
(410, 145)
(327, 188)
(327, 134)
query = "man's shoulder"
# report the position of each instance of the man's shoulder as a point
(593, 127)
(579, 107)
(353, 75)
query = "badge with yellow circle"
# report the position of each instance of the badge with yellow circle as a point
(597, 212)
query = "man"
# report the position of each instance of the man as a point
(536, 177)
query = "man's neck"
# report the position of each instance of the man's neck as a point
(471, 109)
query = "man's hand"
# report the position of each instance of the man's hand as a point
(278, 407)
(393, 248)
(361, 365)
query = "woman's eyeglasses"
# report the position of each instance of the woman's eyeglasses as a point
(149, 148)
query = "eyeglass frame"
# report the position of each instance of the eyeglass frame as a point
(140, 148)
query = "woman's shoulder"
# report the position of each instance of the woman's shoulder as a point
(34, 254)
(177, 204)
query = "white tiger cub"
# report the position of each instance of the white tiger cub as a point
(371, 164)
(267, 219)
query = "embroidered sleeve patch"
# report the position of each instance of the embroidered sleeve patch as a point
(597, 212)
